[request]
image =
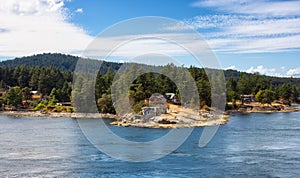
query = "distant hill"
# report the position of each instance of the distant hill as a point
(61, 61)
(68, 63)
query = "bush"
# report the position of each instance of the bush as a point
(137, 108)
(206, 108)
(33, 104)
(57, 109)
(50, 107)
(45, 102)
(69, 109)
(39, 107)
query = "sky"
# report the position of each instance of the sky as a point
(253, 36)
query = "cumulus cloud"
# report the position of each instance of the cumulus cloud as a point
(277, 72)
(37, 26)
(264, 71)
(293, 72)
(230, 68)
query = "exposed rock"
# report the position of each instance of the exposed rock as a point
(185, 119)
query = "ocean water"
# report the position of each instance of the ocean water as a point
(252, 145)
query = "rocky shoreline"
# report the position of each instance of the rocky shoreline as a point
(184, 119)
(57, 114)
(264, 109)
(187, 118)
(180, 120)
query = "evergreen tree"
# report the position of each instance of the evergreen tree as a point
(52, 98)
(34, 79)
(14, 96)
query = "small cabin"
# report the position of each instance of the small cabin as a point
(247, 98)
(172, 98)
(157, 107)
(35, 95)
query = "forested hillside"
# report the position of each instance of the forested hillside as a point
(52, 75)
(60, 61)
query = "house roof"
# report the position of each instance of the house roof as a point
(36, 96)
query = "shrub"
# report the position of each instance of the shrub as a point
(137, 108)
(57, 109)
(69, 109)
(206, 108)
(39, 107)
(33, 104)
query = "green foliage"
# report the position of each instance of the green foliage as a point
(265, 96)
(259, 95)
(33, 103)
(69, 109)
(285, 91)
(244, 85)
(52, 98)
(26, 95)
(204, 92)
(232, 96)
(137, 108)
(205, 107)
(105, 104)
(60, 61)
(58, 109)
(40, 107)
(14, 97)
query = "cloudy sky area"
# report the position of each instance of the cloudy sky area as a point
(254, 36)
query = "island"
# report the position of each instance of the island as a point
(42, 86)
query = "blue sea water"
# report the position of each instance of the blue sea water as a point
(252, 145)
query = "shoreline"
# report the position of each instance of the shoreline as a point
(57, 114)
(247, 109)
(164, 121)
(263, 112)
(167, 121)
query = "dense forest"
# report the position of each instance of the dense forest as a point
(51, 75)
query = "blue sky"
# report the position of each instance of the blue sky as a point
(254, 36)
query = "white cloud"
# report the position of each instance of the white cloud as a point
(277, 72)
(136, 45)
(230, 68)
(79, 10)
(282, 72)
(293, 72)
(264, 71)
(37, 26)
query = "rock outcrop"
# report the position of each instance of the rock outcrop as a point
(184, 119)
